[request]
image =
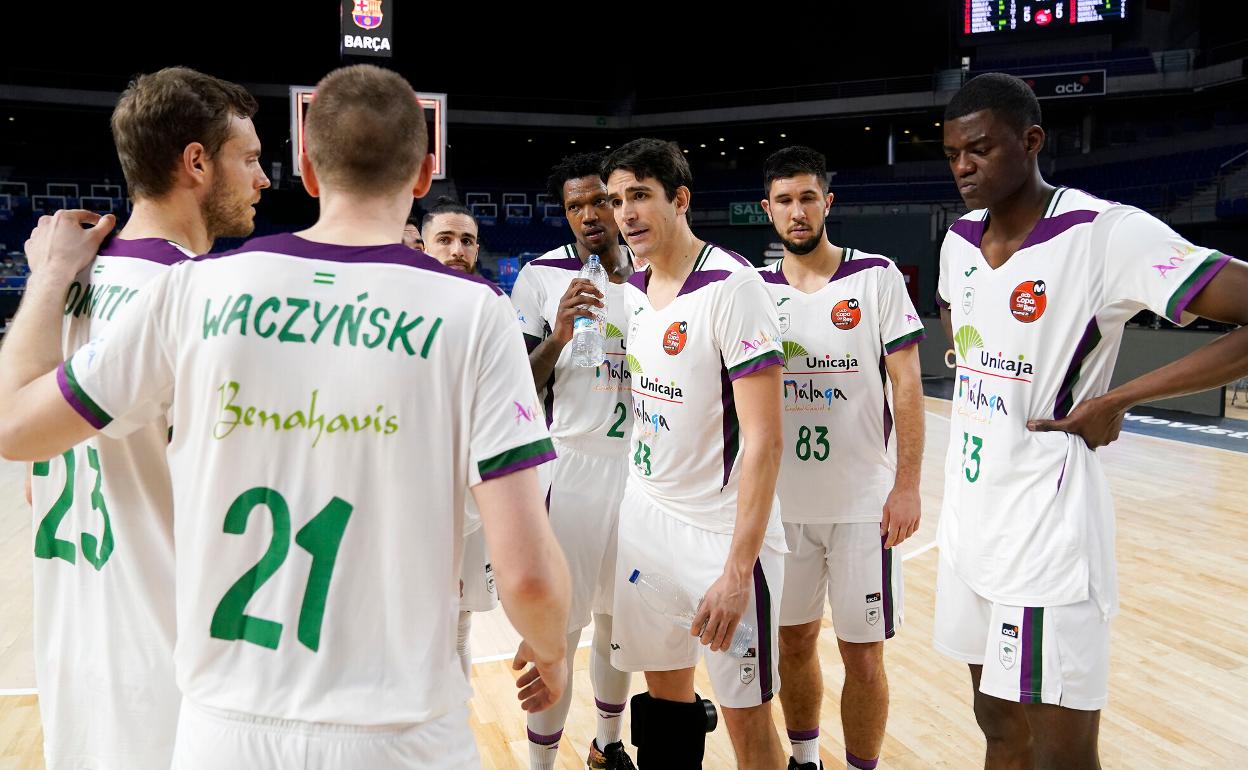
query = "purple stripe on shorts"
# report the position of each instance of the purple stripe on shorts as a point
(544, 740)
(886, 564)
(762, 633)
(803, 735)
(610, 708)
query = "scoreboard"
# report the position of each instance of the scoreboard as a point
(987, 19)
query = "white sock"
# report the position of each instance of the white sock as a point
(610, 685)
(805, 745)
(546, 727)
(543, 750)
(462, 647)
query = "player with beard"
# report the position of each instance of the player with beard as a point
(450, 236)
(339, 444)
(411, 234)
(103, 567)
(588, 411)
(847, 321)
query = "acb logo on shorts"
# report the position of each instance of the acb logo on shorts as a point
(1028, 300)
(846, 314)
(675, 337)
(1009, 630)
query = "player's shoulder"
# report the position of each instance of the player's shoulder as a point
(391, 254)
(857, 262)
(968, 229)
(145, 250)
(562, 259)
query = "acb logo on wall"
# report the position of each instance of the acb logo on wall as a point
(367, 27)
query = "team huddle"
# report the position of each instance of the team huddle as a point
(271, 485)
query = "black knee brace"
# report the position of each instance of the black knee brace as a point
(671, 735)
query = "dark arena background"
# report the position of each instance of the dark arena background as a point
(1145, 102)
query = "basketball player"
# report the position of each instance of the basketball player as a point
(1036, 283)
(411, 234)
(849, 488)
(590, 416)
(450, 234)
(699, 505)
(318, 472)
(103, 568)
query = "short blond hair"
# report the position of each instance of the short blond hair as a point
(365, 130)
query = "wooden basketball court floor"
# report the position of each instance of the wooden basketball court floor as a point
(1179, 671)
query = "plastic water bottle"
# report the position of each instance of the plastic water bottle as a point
(668, 598)
(589, 335)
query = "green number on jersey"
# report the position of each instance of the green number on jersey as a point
(803, 447)
(615, 431)
(47, 545)
(641, 458)
(976, 444)
(320, 537)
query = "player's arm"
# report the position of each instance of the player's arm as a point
(36, 422)
(758, 403)
(572, 305)
(1224, 299)
(533, 582)
(903, 508)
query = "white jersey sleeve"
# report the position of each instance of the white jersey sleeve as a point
(746, 326)
(900, 326)
(1150, 265)
(126, 376)
(508, 432)
(528, 297)
(943, 280)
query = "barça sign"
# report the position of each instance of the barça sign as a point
(367, 28)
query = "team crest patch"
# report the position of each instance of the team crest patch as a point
(367, 14)
(1028, 300)
(784, 323)
(873, 615)
(675, 337)
(1009, 654)
(846, 314)
(968, 299)
(748, 672)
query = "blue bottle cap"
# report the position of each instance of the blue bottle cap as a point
(633, 577)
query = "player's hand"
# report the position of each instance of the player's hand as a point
(902, 511)
(575, 304)
(542, 685)
(60, 247)
(1098, 421)
(721, 609)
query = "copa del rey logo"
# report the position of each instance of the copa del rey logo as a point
(367, 14)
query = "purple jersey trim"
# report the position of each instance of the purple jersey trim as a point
(851, 267)
(74, 401)
(566, 263)
(387, 254)
(1209, 271)
(971, 230)
(151, 249)
(1048, 229)
(940, 301)
(775, 276)
(732, 254)
(702, 279)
